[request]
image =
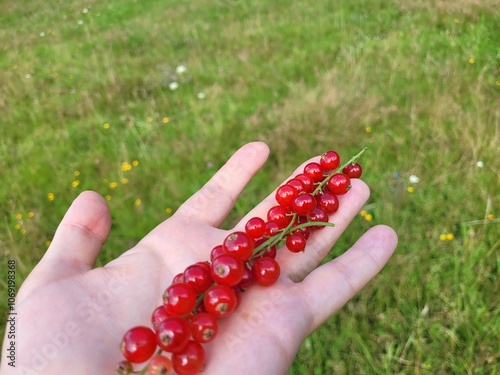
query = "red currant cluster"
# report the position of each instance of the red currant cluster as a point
(208, 291)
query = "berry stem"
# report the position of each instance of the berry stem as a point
(339, 169)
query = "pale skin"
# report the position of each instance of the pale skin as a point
(72, 316)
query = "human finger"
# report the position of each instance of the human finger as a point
(326, 289)
(212, 203)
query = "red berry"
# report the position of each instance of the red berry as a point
(247, 279)
(280, 216)
(328, 202)
(295, 242)
(204, 327)
(297, 184)
(306, 181)
(179, 278)
(318, 215)
(239, 244)
(159, 315)
(270, 252)
(304, 203)
(124, 368)
(315, 171)
(255, 227)
(266, 271)
(227, 269)
(353, 170)
(179, 299)
(271, 229)
(173, 334)
(160, 365)
(190, 360)
(330, 160)
(198, 276)
(285, 195)
(216, 251)
(220, 300)
(339, 184)
(138, 344)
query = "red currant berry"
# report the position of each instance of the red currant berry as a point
(239, 244)
(247, 279)
(328, 202)
(173, 334)
(198, 276)
(205, 265)
(353, 170)
(138, 344)
(124, 368)
(271, 229)
(179, 278)
(160, 365)
(295, 242)
(297, 185)
(330, 160)
(190, 360)
(304, 232)
(306, 181)
(159, 315)
(216, 251)
(318, 215)
(285, 195)
(204, 327)
(270, 252)
(339, 184)
(227, 269)
(220, 300)
(255, 227)
(304, 203)
(179, 299)
(280, 216)
(266, 271)
(315, 171)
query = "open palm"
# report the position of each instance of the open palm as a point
(72, 316)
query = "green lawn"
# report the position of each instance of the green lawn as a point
(87, 102)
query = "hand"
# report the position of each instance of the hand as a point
(72, 317)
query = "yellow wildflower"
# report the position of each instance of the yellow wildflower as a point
(17, 226)
(368, 129)
(31, 214)
(76, 173)
(124, 181)
(19, 216)
(363, 213)
(471, 60)
(113, 184)
(137, 202)
(108, 197)
(168, 210)
(368, 217)
(126, 166)
(50, 196)
(410, 189)
(490, 216)
(165, 120)
(106, 125)
(135, 163)
(442, 237)
(75, 183)
(449, 236)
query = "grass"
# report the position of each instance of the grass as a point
(417, 82)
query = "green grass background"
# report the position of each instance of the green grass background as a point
(415, 81)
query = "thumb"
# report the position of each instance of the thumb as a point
(78, 238)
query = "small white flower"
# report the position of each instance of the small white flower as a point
(27, 76)
(201, 95)
(414, 179)
(42, 34)
(480, 164)
(72, 91)
(80, 22)
(180, 69)
(85, 10)
(173, 86)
